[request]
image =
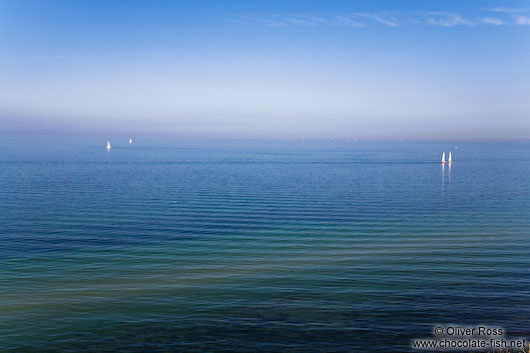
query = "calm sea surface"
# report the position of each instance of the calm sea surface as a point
(171, 246)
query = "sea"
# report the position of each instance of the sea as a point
(172, 245)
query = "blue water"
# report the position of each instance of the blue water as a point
(175, 246)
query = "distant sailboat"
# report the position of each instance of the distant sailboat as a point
(450, 160)
(443, 157)
(130, 139)
(108, 145)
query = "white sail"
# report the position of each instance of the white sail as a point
(450, 160)
(108, 145)
(130, 139)
(443, 157)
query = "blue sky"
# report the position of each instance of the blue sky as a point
(369, 69)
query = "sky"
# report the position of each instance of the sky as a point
(279, 69)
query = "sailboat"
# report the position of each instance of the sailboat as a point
(130, 139)
(450, 160)
(108, 145)
(443, 157)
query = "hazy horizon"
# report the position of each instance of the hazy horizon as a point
(386, 70)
